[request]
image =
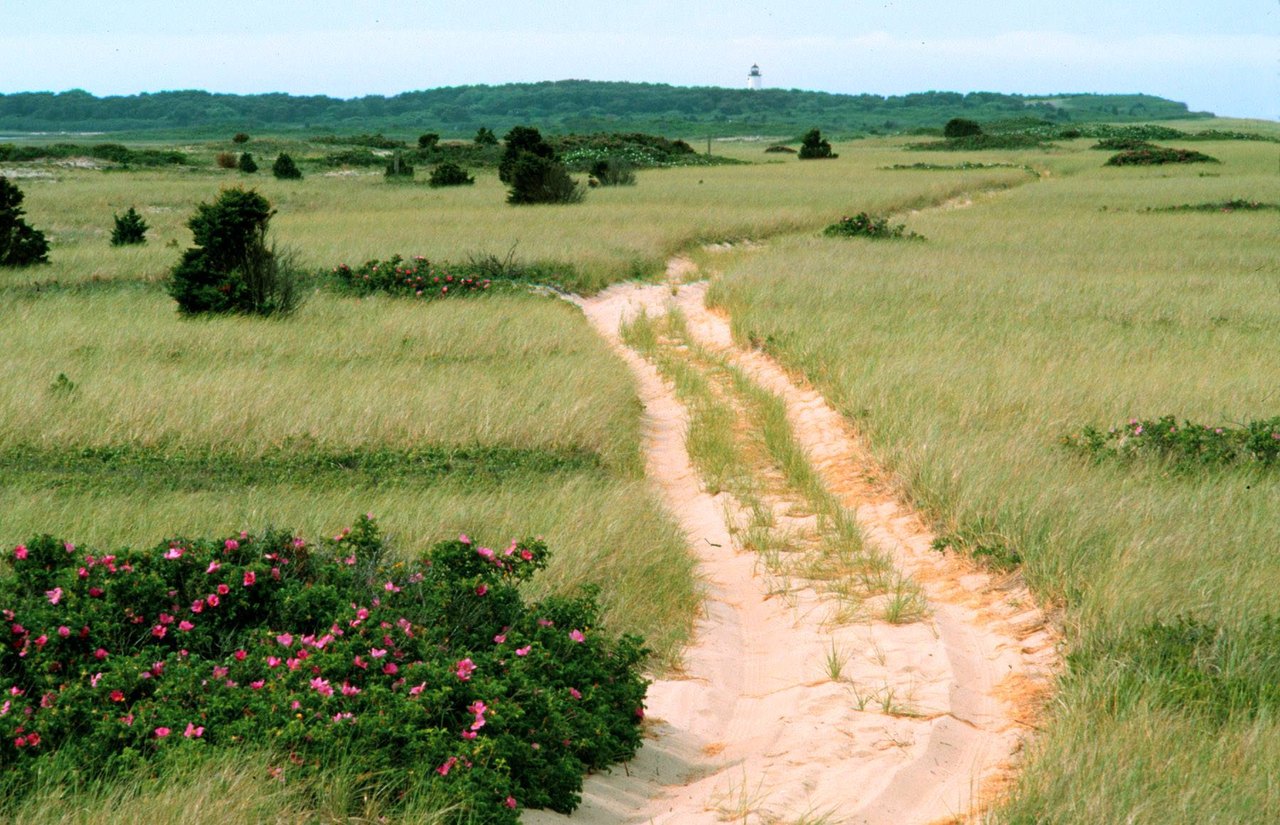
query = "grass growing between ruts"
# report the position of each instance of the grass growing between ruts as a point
(1028, 315)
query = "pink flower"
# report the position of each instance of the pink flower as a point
(64, 631)
(249, 578)
(185, 626)
(193, 732)
(54, 595)
(159, 631)
(223, 589)
(240, 655)
(390, 587)
(211, 600)
(197, 606)
(273, 661)
(390, 669)
(447, 765)
(464, 538)
(173, 553)
(127, 720)
(577, 636)
(321, 686)
(117, 696)
(545, 623)
(100, 654)
(500, 638)
(524, 651)
(41, 640)
(214, 567)
(464, 668)
(165, 618)
(285, 639)
(377, 653)
(20, 552)
(417, 689)
(510, 802)
(231, 544)
(349, 689)
(469, 734)
(257, 684)
(575, 693)
(162, 732)
(482, 589)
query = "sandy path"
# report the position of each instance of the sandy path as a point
(919, 723)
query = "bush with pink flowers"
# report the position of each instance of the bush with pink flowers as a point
(431, 674)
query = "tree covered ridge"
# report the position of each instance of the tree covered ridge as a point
(565, 106)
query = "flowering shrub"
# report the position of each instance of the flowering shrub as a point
(1188, 443)
(1231, 205)
(416, 278)
(431, 672)
(863, 225)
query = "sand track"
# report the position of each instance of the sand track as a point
(925, 720)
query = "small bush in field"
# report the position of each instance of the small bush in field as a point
(20, 244)
(240, 138)
(129, 228)
(247, 164)
(1158, 155)
(416, 278)
(232, 268)
(434, 675)
(398, 167)
(613, 171)
(449, 174)
(864, 225)
(814, 147)
(485, 137)
(227, 160)
(1118, 144)
(285, 169)
(1185, 444)
(428, 140)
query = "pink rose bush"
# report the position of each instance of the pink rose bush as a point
(450, 678)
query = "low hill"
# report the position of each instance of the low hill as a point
(564, 106)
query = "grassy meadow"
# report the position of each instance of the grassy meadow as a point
(1044, 299)
(1025, 317)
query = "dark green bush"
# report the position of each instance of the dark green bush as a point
(1158, 155)
(613, 172)
(1117, 144)
(20, 244)
(240, 137)
(522, 140)
(247, 164)
(780, 149)
(1187, 444)
(428, 140)
(129, 228)
(449, 174)
(863, 225)
(533, 172)
(959, 127)
(1010, 140)
(285, 169)
(414, 278)
(814, 147)
(485, 137)
(231, 268)
(433, 675)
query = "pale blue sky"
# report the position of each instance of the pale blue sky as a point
(1216, 55)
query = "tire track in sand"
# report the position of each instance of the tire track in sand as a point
(752, 730)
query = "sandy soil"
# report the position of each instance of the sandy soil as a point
(924, 720)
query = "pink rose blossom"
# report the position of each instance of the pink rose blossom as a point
(464, 668)
(20, 552)
(162, 732)
(193, 732)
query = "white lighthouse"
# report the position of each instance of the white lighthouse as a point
(754, 80)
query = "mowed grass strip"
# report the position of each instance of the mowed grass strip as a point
(1027, 316)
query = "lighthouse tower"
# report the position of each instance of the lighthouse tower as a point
(754, 80)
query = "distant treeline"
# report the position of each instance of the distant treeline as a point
(564, 106)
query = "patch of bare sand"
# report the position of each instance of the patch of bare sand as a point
(917, 725)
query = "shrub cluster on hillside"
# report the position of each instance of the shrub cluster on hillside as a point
(416, 278)
(434, 672)
(129, 229)
(814, 147)
(110, 152)
(1158, 155)
(533, 172)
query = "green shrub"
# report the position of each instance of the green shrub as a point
(129, 228)
(959, 127)
(247, 164)
(414, 278)
(433, 675)
(863, 225)
(226, 160)
(449, 174)
(1158, 155)
(285, 169)
(533, 172)
(1010, 140)
(613, 172)
(231, 268)
(1117, 144)
(780, 149)
(1231, 205)
(522, 140)
(20, 244)
(485, 137)
(814, 147)
(240, 137)
(428, 140)
(1186, 444)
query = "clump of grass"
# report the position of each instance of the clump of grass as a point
(1157, 156)
(1230, 205)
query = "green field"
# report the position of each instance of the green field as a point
(1045, 298)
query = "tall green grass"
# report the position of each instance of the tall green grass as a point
(1023, 317)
